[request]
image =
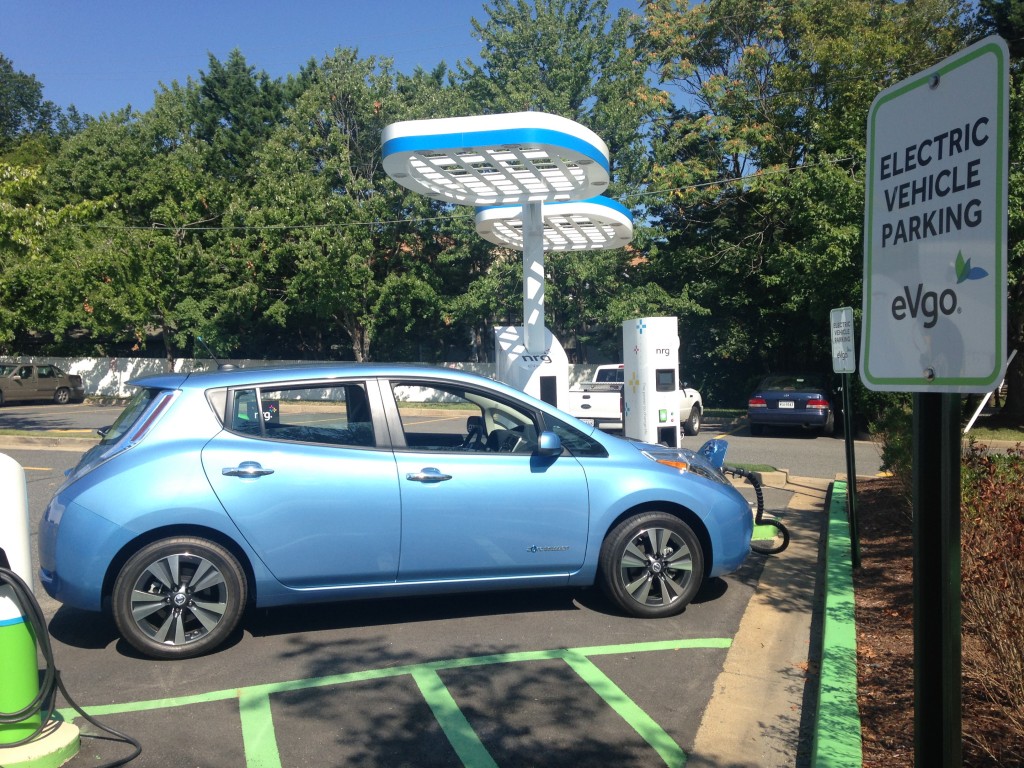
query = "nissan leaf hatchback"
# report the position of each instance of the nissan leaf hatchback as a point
(220, 490)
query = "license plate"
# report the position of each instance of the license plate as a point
(787, 404)
(588, 421)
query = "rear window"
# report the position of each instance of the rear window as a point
(607, 375)
(792, 383)
(137, 406)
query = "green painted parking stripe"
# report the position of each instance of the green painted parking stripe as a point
(260, 740)
(627, 709)
(258, 735)
(456, 727)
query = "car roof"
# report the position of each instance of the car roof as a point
(239, 377)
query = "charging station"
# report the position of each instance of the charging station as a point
(650, 348)
(19, 677)
(19, 673)
(543, 374)
(535, 180)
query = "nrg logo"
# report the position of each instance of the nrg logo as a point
(931, 304)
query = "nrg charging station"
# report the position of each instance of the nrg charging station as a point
(650, 348)
(535, 180)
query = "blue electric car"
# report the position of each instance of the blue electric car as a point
(219, 490)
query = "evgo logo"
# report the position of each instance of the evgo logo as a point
(930, 305)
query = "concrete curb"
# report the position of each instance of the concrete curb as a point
(25, 443)
(759, 714)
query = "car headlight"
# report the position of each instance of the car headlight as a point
(687, 461)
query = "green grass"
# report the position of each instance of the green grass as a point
(996, 433)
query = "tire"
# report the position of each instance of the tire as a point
(756, 429)
(830, 425)
(62, 396)
(652, 565)
(163, 614)
(770, 546)
(692, 424)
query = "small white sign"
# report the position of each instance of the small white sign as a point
(844, 355)
(935, 227)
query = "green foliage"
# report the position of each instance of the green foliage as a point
(992, 536)
(255, 212)
(890, 419)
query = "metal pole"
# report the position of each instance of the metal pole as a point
(936, 526)
(851, 472)
(533, 279)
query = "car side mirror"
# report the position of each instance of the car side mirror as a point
(549, 444)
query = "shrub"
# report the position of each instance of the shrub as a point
(992, 582)
(891, 423)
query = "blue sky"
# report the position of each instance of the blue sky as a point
(103, 55)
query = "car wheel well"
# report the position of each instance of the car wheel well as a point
(198, 531)
(684, 514)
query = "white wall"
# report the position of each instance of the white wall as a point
(109, 376)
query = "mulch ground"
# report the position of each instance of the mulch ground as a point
(885, 640)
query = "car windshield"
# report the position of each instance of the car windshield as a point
(136, 407)
(791, 383)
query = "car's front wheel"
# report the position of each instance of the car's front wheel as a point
(652, 565)
(179, 597)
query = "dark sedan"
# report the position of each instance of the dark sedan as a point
(792, 400)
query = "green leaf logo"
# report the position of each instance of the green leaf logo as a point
(964, 270)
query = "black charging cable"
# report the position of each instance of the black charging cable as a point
(51, 682)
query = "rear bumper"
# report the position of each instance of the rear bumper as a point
(776, 417)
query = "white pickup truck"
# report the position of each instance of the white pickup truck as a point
(599, 402)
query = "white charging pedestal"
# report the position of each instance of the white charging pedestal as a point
(650, 347)
(19, 675)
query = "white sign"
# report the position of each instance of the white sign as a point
(935, 227)
(844, 357)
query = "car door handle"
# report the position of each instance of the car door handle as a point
(428, 475)
(246, 469)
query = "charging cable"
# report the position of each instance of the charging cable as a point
(51, 681)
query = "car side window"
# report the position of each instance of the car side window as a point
(25, 372)
(45, 372)
(443, 418)
(329, 415)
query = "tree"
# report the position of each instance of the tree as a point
(1006, 18)
(328, 254)
(32, 302)
(760, 157)
(571, 58)
(22, 108)
(236, 109)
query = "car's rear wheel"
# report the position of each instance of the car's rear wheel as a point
(652, 565)
(692, 424)
(830, 425)
(62, 396)
(179, 597)
(756, 429)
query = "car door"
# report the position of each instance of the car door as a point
(45, 382)
(22, 386)
(482, 508)
(299, 471)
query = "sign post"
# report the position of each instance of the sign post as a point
(844, 362)
(935, 323)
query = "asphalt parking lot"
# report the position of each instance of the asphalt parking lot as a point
(525, 678)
